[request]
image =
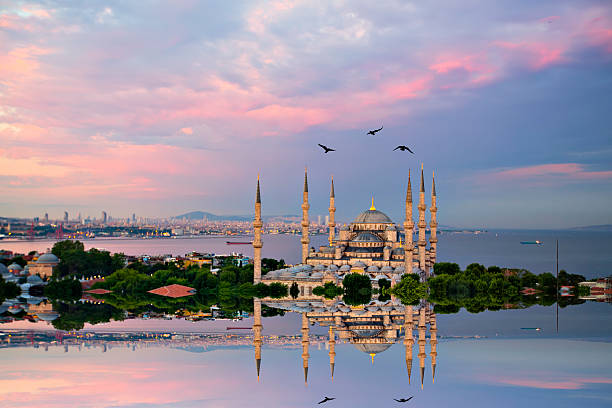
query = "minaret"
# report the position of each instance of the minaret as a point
(433, 330)
(408, 338)
(305, 206)
(422, 224)
(332, 351)
(422, 342)
(408, 229)
(433, 223)
(257, 244)
(305, 345)
(257, 327)
(332, 214)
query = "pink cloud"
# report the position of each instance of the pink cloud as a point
(573, 171)
(187, 130)
(570, 384)
(537, 55)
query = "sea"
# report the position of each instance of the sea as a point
(535, 357)
(585, 253)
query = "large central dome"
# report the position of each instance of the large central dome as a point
(372, 217)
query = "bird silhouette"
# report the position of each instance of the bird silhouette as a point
(403, 399)
(373, 132)
(327, 149)
(403, 148)
(325, 400)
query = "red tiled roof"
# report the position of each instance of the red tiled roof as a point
(174, 291)
(99, 291)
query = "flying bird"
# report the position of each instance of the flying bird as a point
(327, 149)
(325, 400)
(373, 132)
(403, 148)
(403, 399)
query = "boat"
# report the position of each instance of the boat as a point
(238, 328)
(531, 328)
(531, 242)
(238, 242)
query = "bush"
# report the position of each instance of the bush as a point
(446, 268)
(66, 289)
(357, 289)
(409, 290)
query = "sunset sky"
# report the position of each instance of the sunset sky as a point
(163, 108)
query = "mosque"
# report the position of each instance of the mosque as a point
(372, 244)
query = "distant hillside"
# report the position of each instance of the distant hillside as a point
(198, 215)
(600, 228)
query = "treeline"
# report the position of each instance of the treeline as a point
(8, 290)
(75, 261)
(478, 288)
(231, 289)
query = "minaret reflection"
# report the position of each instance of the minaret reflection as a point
(408, 339)
(332, 351)
(305, 345)
(257, 327)
(422, 341)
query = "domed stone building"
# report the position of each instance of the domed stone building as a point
(44, 265)
(372, 244)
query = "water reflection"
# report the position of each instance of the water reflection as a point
(371, 328)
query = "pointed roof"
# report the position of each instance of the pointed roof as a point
(422, 180)
(258, 364)
(372, 208)
(409, 189)
(306, 375)
(332, 366)
(433, 373)
(305, 180)
(409, 368)
(332, 194)
(258, 197)
(433, 184)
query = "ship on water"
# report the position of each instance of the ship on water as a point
(531, 243)
(238, 242)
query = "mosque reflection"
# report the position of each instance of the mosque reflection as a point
(371, 328)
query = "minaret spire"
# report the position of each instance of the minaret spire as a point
(422, 224)
(408, 229)
(257, 243)
(433, 223)
(305, 345)
(305, 206)
(332, 214)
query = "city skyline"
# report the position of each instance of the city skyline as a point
(173, 108)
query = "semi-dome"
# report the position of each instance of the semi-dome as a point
(372, 348)
(15, 267)
(47, 316)
(367, 237)
(34, 280)
(398, 251)
(47, 258)
(372, 217)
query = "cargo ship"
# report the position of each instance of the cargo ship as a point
(238, 242)
(531, 242)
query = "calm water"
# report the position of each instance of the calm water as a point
(585, 253)
(483, 360)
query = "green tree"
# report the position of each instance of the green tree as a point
(294, 291)
(357, 289)
(446, 268)
(409, 290)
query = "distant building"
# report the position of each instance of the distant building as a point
(66, 216)
(600, 290)
(44, 265)
(104, 217)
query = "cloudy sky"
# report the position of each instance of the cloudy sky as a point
(162, 108)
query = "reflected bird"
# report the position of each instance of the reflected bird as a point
(403, 148)
(373, 132)
(327, 149)
(403, 399)
(325, 400)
